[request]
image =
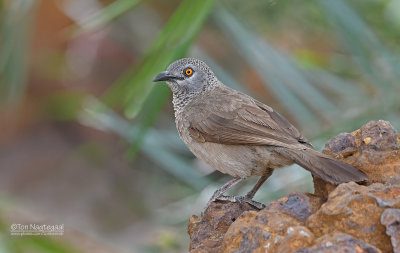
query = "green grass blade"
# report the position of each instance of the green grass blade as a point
(176, 166)
(107, 14)
(149, 114)
(372, 57)
(15, 23)
(264, 65)
(220, 72)
(345, 90)
(134, 87)
(99, 116)
(296, 81)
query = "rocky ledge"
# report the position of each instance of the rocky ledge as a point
(344, 218)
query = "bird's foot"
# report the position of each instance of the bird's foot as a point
(241, 200)
(229, 198)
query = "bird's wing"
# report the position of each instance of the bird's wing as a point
(284, 124)
(245, 124)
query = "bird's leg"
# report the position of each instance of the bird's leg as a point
(218, 193)
(263, 178)
(249, 196)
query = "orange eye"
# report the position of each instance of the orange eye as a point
(188, 72)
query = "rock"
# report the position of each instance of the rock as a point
(296, 238)
(356, 210)
(322, 188)
(338, 242)
(258, 231)
(345, 218)
(206, 233)
(378, 136)
(343, 145)
(375, 149)
(297, 205)
(391, 219)
(271, 228)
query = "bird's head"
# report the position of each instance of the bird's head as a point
(188, 76)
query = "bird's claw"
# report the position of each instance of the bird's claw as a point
(255, 204)
(229, 198)
(238, 199)
(241, 200)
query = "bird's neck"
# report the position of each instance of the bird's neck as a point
(182, 97)
(180, 100)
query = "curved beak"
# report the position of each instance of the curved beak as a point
(165, 76)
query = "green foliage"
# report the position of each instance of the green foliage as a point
(106, 15)
(134, 87)
(159, 146)
(311, 95)
(362, 43)
(64, 105)
(39, 244)
(15, 22)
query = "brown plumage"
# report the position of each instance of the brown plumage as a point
(238, 135)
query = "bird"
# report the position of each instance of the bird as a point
(240, 136)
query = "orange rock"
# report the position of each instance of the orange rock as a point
(206, 233)
(375, 149)
(296, 238)
(356, 210)
(322, 188)
(277, 227)
(338, 242)
(258, 231)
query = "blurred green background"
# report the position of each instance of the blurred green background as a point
(87, 140)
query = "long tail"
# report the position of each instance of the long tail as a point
(325, 167)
